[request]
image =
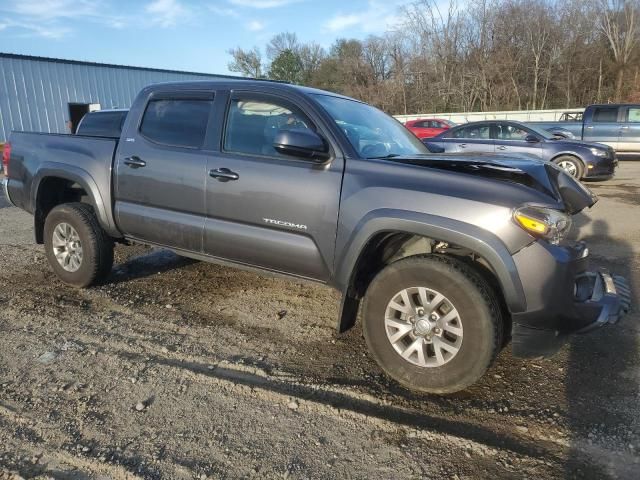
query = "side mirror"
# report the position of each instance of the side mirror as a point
(531, 138)
(302, 143)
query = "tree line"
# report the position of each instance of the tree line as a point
(480, 55)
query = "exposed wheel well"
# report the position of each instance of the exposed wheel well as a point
(388, 247)
(54, 191)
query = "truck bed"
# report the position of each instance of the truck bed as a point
(88, 159)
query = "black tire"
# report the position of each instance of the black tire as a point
(97, 246)
(478, 310)
(578, 166)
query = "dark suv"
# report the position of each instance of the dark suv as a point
(578, 159)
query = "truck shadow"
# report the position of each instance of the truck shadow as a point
(151, 262)
(595, 384)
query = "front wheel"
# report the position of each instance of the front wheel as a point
(432, 323)
(78, 249)
(571, 165)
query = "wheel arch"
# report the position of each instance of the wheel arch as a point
(379, 238)
(54, 184)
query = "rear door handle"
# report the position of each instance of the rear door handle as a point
(589, 127)
(501, 147)
(223, 174)
(463, 145)
(624, 127)
(135, 162)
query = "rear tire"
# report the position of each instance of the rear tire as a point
(79, 251)
(571, 165)
(448, 300)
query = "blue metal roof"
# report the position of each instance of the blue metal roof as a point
(35, 91)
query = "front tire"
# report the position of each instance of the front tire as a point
(432, 323)
(79, 251)
(571, 165)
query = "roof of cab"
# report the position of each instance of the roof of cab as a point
(252, 82)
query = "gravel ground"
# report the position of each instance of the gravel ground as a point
(180, 369)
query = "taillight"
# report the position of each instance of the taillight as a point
(6, 154)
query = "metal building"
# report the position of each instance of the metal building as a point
(42, 94)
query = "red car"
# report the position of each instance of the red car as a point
(428, 127)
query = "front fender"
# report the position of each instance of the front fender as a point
(471, 237)
(82, 178)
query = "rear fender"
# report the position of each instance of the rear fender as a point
(82, 178)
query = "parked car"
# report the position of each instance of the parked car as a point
(102, 123)
(428, 127)
(616, 125)
(452, 256)
(578, 159)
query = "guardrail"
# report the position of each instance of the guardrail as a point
(520, 115)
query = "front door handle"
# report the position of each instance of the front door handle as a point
(463, 145)
(223, 174)
(501, 147)
(624, 127)
(135, 162)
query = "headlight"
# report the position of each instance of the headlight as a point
(547, 223)
(598, 152)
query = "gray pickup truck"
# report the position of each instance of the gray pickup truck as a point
(451, 256)
(616, 125)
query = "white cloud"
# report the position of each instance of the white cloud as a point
(46, 18)
(53, 9)
(261, 4)
(378, 16)
(167, 13)
(223, 11)
(340, 22)
(255, 26)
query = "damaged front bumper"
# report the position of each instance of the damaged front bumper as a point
(602, 299)
(564, 298)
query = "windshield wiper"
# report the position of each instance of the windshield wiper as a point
(389, 155)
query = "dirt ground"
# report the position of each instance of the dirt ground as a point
(181, 369)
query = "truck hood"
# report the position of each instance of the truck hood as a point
(522, 169)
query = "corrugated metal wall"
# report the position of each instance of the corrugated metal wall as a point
(34, 94)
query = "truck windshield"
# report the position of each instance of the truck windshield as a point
(372, 133)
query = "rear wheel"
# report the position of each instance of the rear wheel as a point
(432, 323)
(78, 249)
(571, 165)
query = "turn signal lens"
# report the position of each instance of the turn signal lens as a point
(547, 223)
(531, 224)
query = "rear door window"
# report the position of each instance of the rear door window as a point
(180, 122)
(474, 132)
(605, 114)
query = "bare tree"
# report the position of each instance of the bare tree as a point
(246, 62)
(477, 55)
(619, 23)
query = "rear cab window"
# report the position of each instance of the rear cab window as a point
(178, 122)
(102, 124)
